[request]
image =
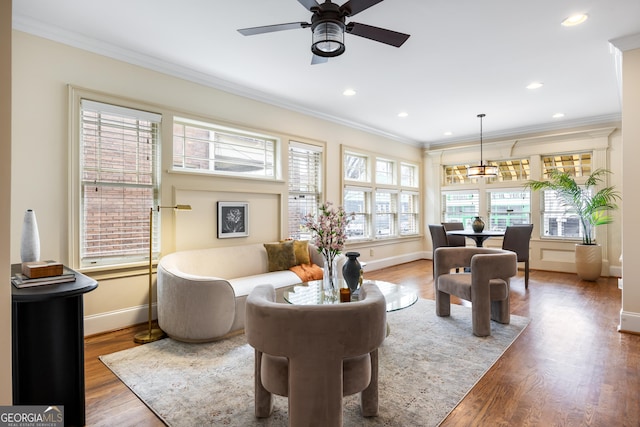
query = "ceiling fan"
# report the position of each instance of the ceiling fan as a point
(328, 27)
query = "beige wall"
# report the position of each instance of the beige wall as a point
(42, 72)
(630, 313)
(5, 200)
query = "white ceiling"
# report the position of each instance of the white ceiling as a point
(464, 57)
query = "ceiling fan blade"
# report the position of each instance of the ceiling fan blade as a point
(317, 59)
(309, 4)
(356, 6)
(272, 28)
(381, 35)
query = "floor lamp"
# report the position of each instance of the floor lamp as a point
(154, 334)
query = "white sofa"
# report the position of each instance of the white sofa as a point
(202, 293)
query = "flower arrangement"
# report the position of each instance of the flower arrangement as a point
(329, 229)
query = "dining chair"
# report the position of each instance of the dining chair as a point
(516, 239)
(315, 354)
(455, 240)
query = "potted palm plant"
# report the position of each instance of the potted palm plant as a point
(590, 206)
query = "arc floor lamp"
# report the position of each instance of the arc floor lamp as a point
(154, 334)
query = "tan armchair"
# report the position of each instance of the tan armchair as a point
(315, 354)
(486, 286)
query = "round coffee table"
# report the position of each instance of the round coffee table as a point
(397, 296)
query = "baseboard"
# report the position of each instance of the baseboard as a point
(615, 271)
(379, 264)
(629, 322)
(114, 320)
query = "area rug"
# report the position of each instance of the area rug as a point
(427, 365)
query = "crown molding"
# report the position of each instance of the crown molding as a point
(518, 133)
(625, 43)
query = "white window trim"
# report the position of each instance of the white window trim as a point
(75, 96)
(373, 187)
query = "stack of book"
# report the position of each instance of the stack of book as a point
(40, 273)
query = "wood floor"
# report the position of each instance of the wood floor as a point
(570, 366)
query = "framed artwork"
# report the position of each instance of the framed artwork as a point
(233, 219)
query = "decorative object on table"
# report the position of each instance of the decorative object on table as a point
(21, 280)
(329, 229)
(345, 294)
(36, 269)
(30, 239)
(351, 270)
(154, 334)
(477, 225)
(591, 209)
(482, 170)
(233, 219)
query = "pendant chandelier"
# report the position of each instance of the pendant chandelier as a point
(482, 170)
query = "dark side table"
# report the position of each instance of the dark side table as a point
(48, 345)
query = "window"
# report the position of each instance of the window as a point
(409, 217)
(460, 206)
(358, 201)
(385, 220)
(408, 175)
(456, 174)
(383, 208)
(503, 206)
(119, 183)
(578, 164)
(305, 169)
(508, 170)
(512, 170)
(385, 172)
(556, 220)
(356, 168)
(209, 148)
(508, 207)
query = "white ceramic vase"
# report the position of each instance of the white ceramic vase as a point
(30, 240)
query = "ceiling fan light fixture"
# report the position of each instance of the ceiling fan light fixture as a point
(328, 38)
(482, 170)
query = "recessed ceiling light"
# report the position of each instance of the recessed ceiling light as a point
(575, 20)
(558, 115)
(403, 114)
(534, 85)
(349, 92)
(448, 133)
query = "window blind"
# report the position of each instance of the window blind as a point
(305, 177)
(119, 174)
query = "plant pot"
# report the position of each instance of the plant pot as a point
(588, 262)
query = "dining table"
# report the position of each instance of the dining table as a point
(478, 237)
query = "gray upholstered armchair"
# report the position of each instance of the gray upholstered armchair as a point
(315, 354)
(486, 286)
